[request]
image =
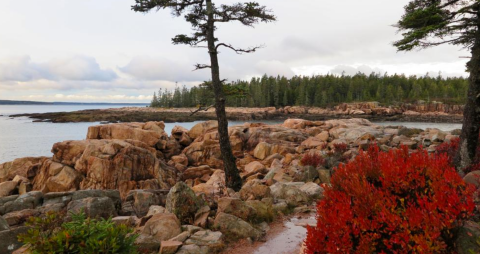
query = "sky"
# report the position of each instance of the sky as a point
(102, 51)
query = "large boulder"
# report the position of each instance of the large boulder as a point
(182, 201)
(313, 190)
(290, 193)
(8, 188)
(236, 207)
(56, 177)
(23, 167)
(3, 224)
(29, 200)
(123, 165)
(180, 134)
(149, 133)
(235, 228)
(254, 190)
(263, 210)
(473, 178)
(139, 202)
(102, 207)
(207, 238)
(201, 128)
(9, 239)
(467, 239)
(162, 226)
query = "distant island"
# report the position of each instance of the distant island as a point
(11, 102)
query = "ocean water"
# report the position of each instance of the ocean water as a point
(20, 137)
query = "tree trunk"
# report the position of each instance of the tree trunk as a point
(471, 114)
(232, 177)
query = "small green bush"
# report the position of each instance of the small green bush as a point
(81, 235)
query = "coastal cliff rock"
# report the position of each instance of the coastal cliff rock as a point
(24, 167)
(149, 133)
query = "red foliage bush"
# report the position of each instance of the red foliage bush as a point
(392, 202)
(340, 148)
(312, 159)
(451, 148)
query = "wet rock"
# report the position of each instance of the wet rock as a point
(182, 201)
(235, 228)
(162, 226)
(93, 207)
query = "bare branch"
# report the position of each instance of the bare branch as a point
(201, 108)
(201, 66)
(237, 50)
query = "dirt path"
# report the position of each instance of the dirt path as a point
(285, 236)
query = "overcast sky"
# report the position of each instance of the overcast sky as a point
(100, 50)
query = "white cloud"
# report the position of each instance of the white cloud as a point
(149, 68)
(77, 68)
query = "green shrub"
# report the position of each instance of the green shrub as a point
(81, 235)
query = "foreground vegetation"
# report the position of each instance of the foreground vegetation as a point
(81, 235)
(392, 202)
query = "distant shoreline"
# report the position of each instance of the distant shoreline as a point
(145, 114)
(11, 102)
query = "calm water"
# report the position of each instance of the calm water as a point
(20, 137)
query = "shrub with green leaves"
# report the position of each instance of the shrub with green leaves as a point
(81, 235)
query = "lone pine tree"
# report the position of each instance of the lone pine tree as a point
(429, 23)
(204, 15)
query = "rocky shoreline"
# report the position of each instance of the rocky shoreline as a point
(432, 112)
(171, 188)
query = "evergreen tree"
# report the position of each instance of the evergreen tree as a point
(428, 23)
(204, 17)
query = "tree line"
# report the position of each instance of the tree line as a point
(320, 91)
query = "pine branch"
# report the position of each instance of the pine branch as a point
(237, 50)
